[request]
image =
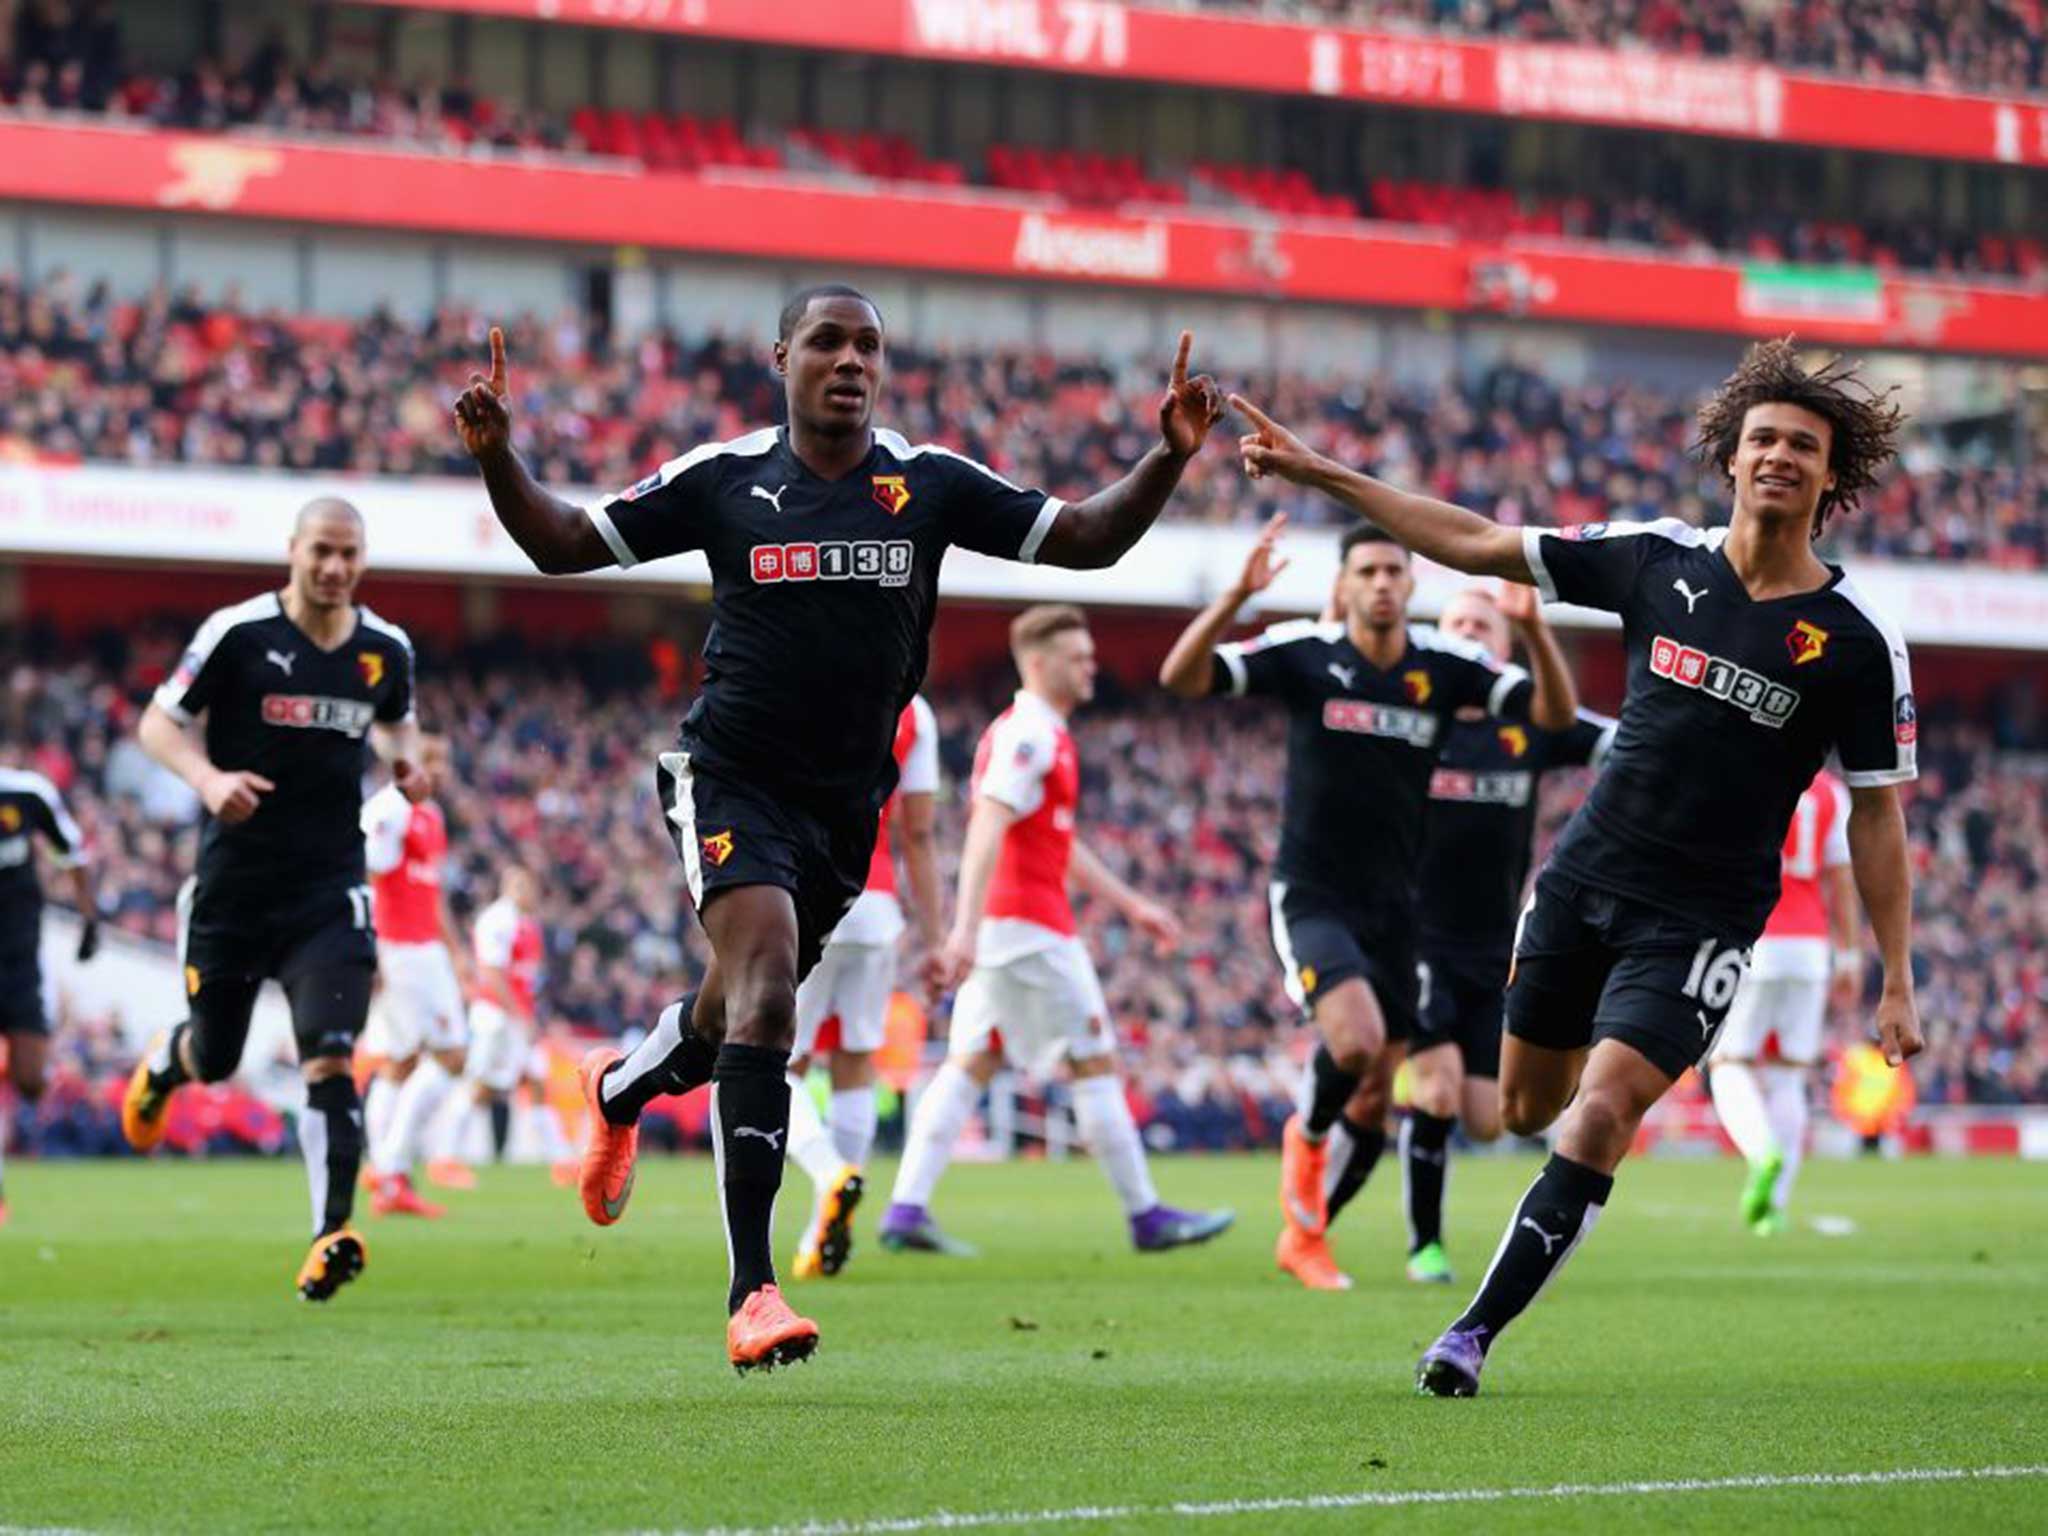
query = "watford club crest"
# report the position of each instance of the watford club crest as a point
(10, 818)
(372, 664)
(892, 493)
(1515, 739)
(1807, 642)
(717, 848)
(1418, 685)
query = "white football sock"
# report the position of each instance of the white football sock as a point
(1104, 1116)
(1338, 1156)
(941, 1113)
(809, 1147)
(380, 1107)
(1739, 1101)
(417, 1099)
(852, 1114)
(1785, 1091)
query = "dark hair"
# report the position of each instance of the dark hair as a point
(1034, 626)
(799, 305)
(1863, 422)
(1365, 533)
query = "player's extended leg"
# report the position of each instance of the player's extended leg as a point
(1351, 1033)
(420, 1098)
(753, 931)
(1616, 1090)
(836, 1183)
(1103, 1114)
(1785, 1086)
(1437, 1094)
(851, 1115)
(28, 1055)
(1736, 1079)
(1359, 1137)
(328, 1004)
(205, 1047)
(942, 1111)
(380, 1100)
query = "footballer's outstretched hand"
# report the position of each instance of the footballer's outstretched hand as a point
(1263, 563)
(1192, 405)
(1158, 923)
(1898, 1027)
(1270, 449)
(483, 418)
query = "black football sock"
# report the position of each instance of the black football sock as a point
(1362, 1148)
(1425, 1162)
(750, 1127)
(1324, 1094)
(1552, 1220)
(331, 1139)
(167, 1067)
(501, 1127)
(673, 1058)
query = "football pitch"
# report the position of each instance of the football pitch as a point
(513, 1369)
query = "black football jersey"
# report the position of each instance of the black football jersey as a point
(1361, 744)
(822, 594)
(30, 808)
(1482, 818)
(1731, 708)
(278, 705)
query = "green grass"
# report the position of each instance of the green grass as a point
(512, 1368)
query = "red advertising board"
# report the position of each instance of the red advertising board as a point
(1664, 92)
(994, 235)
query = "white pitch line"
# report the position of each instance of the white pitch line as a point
(1086, 1514)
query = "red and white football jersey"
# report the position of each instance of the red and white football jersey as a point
(405, 847)
(508, 940)
(1027, 760)
(876, 917)
(1795, 936)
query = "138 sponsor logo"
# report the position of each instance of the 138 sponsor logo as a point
(887, 562)
(1765, 702)
(312, 712)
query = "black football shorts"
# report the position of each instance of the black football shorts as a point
(1324, 940)
(1462, 1000)
(1593, 965)
(21, 990)
(731, 833)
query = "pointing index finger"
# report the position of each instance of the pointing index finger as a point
(1180, 358)
(497, 361)
(1251, 413)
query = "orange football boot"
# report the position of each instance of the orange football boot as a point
(393, 1195)
(142, 1107)
(336, 1258)
(606, 1180)
(765, 1333)
(1306, 1256)
(1302, 1165)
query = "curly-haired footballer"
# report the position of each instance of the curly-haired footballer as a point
(1750, 662)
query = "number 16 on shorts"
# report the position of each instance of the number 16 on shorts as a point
(1715, 977)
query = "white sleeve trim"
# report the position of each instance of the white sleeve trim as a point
(1511, 677)
(1877, 778)
(607, 530)
(204, 643)
(1040, 527)
(921, 767)
(385, 816)
(1232, 657)
(1532, 551)
(1603, 743)
(72, 855)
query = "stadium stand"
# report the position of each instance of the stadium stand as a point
(86, 373)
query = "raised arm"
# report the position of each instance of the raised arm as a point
(1554, 703)
(557, 536)
(1434, 529)
(1190, 667)
(1877, 853)
(1101, 529)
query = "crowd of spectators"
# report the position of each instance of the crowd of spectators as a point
(175, 379)
(67, 57)
(1994, 47)
(551, 755)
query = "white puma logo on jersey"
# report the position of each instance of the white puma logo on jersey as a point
(1679, 586)
(1706, 1024)
(282, 660)
(773, 498)
(1344, 675)
(1550, 1241)
(773, 1138)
